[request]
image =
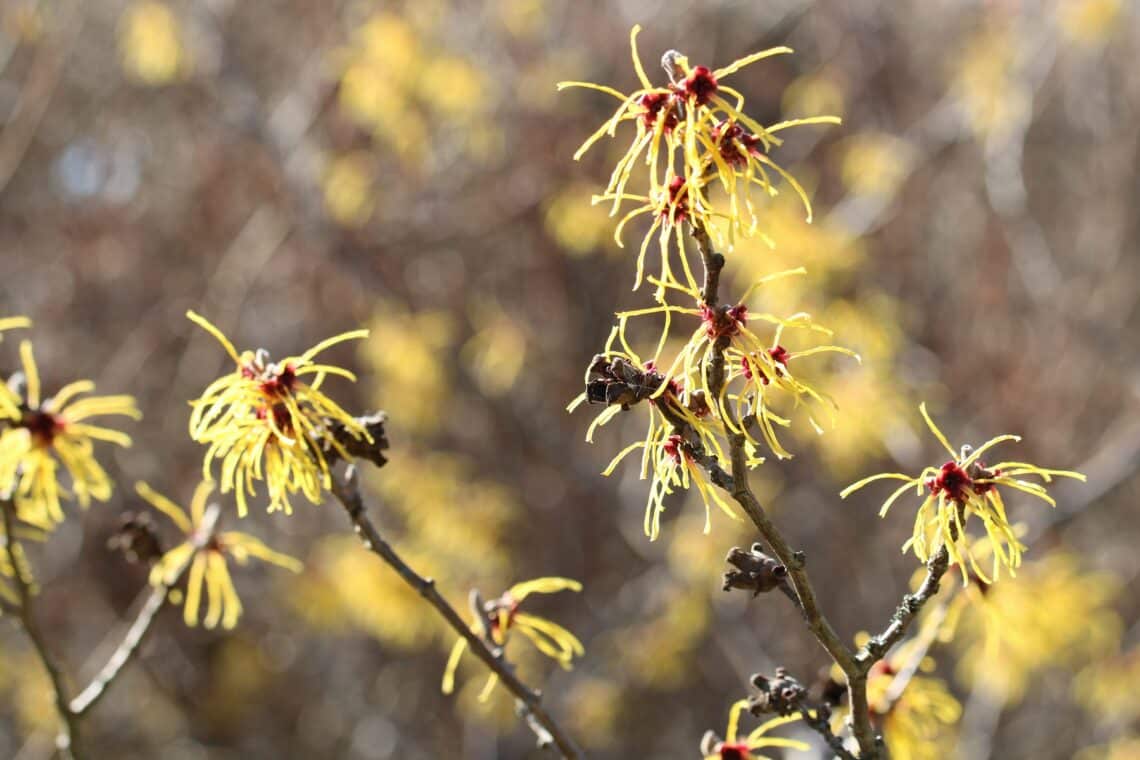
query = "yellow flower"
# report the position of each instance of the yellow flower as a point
(42, 433)
(735, 747)
(264, 422)
(620, 379)
(960, 488)
(502, 615)
(205, 550)
(701, 119)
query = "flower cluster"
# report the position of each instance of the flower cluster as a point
(269, 421)
(964, 487)
(693, 136)
(497, 618)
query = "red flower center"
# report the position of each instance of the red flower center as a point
(721, 322)
(734, 751)
(952, 481)
(656, 103)
(735, 142)
(43, 426)
(700, 85)
(281, 382)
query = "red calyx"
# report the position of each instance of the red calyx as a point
(654, 104)
(735, 142)
(700, 85)
(678, 208)
(43, 426)
(673, 446)
(734, 751)
(721, 322)
(952, 481)
(281, 383)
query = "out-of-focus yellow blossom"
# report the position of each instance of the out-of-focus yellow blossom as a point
(1089, 22)
(348, 189)
(1107, 688)
(594, 708)
(919, 722)
(43, 433)
(149, 44)
(496, 352)
(813, 93)
(406, 353)
(27, 691)
(1008, 632)
(659, 650)
(874, 163)
(264, 422)
(504, 616)
(578, 228)
(963, 487)
(988, 82)
(205, 550)
(347, 587)
(734, 747)
(1124, 748)
(396, 84)
(522, 18)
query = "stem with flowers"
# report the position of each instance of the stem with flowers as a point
(529, 701)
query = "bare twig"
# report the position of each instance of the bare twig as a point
(123, 653)
(907, 611)
(347, 492)
(67, 738)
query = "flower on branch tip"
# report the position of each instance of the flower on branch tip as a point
(264, 421)
(963, 487)
(41, 433)
(205, 550)
(497, 618)
(735, 747)
(699, 119)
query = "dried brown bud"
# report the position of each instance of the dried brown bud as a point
(136, 538)
(781, 694)
(755, 571)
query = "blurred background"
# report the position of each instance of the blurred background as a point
(293, 169)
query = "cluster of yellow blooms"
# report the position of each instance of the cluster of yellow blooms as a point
(693, 161)
(697, 144)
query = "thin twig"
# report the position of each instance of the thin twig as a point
(347, 492)
(123, 653)
(907, 611)
(67, 738)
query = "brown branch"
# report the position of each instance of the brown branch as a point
(907, 611)
(742, 493)
(67, 738)
(529, 701)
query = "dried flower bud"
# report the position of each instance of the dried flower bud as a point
(755, 571)
(780, 695)
(136, 538)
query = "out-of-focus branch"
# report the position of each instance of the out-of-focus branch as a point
(67, 738)
(347, 492)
